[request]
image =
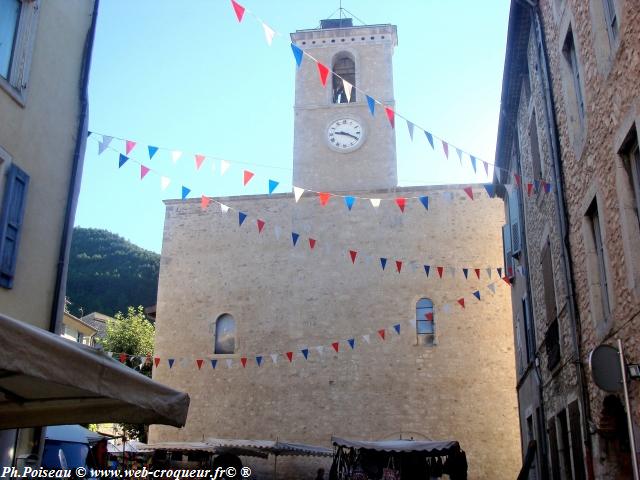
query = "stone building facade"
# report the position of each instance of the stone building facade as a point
(455, 380)
(570, 110)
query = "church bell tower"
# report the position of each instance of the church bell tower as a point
(338, 145)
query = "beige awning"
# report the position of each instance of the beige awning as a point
(48, 380)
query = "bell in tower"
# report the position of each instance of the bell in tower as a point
(338, 144)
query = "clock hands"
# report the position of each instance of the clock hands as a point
(347, 134)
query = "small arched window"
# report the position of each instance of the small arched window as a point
(225, 340)
(345, 67)
(425, 322)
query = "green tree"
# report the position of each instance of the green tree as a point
(134, 335)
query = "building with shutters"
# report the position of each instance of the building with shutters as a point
(234, 291)
(570, 114)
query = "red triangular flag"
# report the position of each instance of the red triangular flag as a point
(445, 147)
(122, 357)
(130, 145)
(517, 179)
(239, 9)
(156, 361)
(143, 171)
(477, 270)
(204, 203)
(199, 363)
(247, 177)
(199, 161)
(243, 361)
(324, 198)
(429, 316)
(353, 255)
(336, 346)
(398, 265)
(382, 333)
(440, 270)
(506, 280)
(312, 243)
(529, 188)
(469, 191)
(401, 202)
(324, 72)
(461, 302)
(390, 116)
(260, 225)
(290, 356)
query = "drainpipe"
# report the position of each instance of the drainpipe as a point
(57, 305)
(565, 251)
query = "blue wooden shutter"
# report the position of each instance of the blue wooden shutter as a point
(13, 205)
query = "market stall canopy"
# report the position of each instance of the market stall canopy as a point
(432, 447)
(116, 448)
(72, 433)
(48, 380)
(238, 449)
(271, 446)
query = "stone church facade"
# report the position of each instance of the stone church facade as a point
(227, 292)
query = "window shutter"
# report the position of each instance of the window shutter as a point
(514, 219)
(549, 285)
(13, 206)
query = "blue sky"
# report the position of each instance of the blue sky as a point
(187, 76)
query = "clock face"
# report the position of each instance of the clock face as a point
(344, 134)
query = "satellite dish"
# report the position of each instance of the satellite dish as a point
(605, 368)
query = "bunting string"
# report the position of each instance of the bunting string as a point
(533, 185)
(432, 269)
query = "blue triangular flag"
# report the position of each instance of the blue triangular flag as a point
(491, 189)
(477, 294)
(352, 342)
(429, 137)
(241, 217)
(499, 272)
(396, 327)
(152, 151)
(466, 272)
(123, 159)
(214, 362)
(297, 52)
(426, 269)
(372, 105)
(305, 352)
(185, 192)
(473, 163)
(349, 201)
(294, 237)
(259, 360)
(171, 360)
(425, 201)
(272, 186)
(383, 262)
(536, 185)
(547, 187)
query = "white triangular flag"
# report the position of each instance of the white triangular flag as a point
(297, 193)
(446, 308)
(183, 362)
(414, 266)
(224, 166)
(347, 89)
(489, 272)
(229, 363)
(164, 182)
(320, 348)
(375, 202)
(368, 259)
(104, 144)
(509, 187)
(278, 231)
(366, 338)
(213, 165)
(448, 196)
(224, 208)
(410, 127)
(452, 272)
(492, 287)
(268, 33)
(175, 155)
(274, 357)
(106, 139)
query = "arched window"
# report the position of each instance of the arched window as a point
(225, 340)
(344, 66)
(425, 322)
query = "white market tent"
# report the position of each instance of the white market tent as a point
(72, 433)
(48, 380)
